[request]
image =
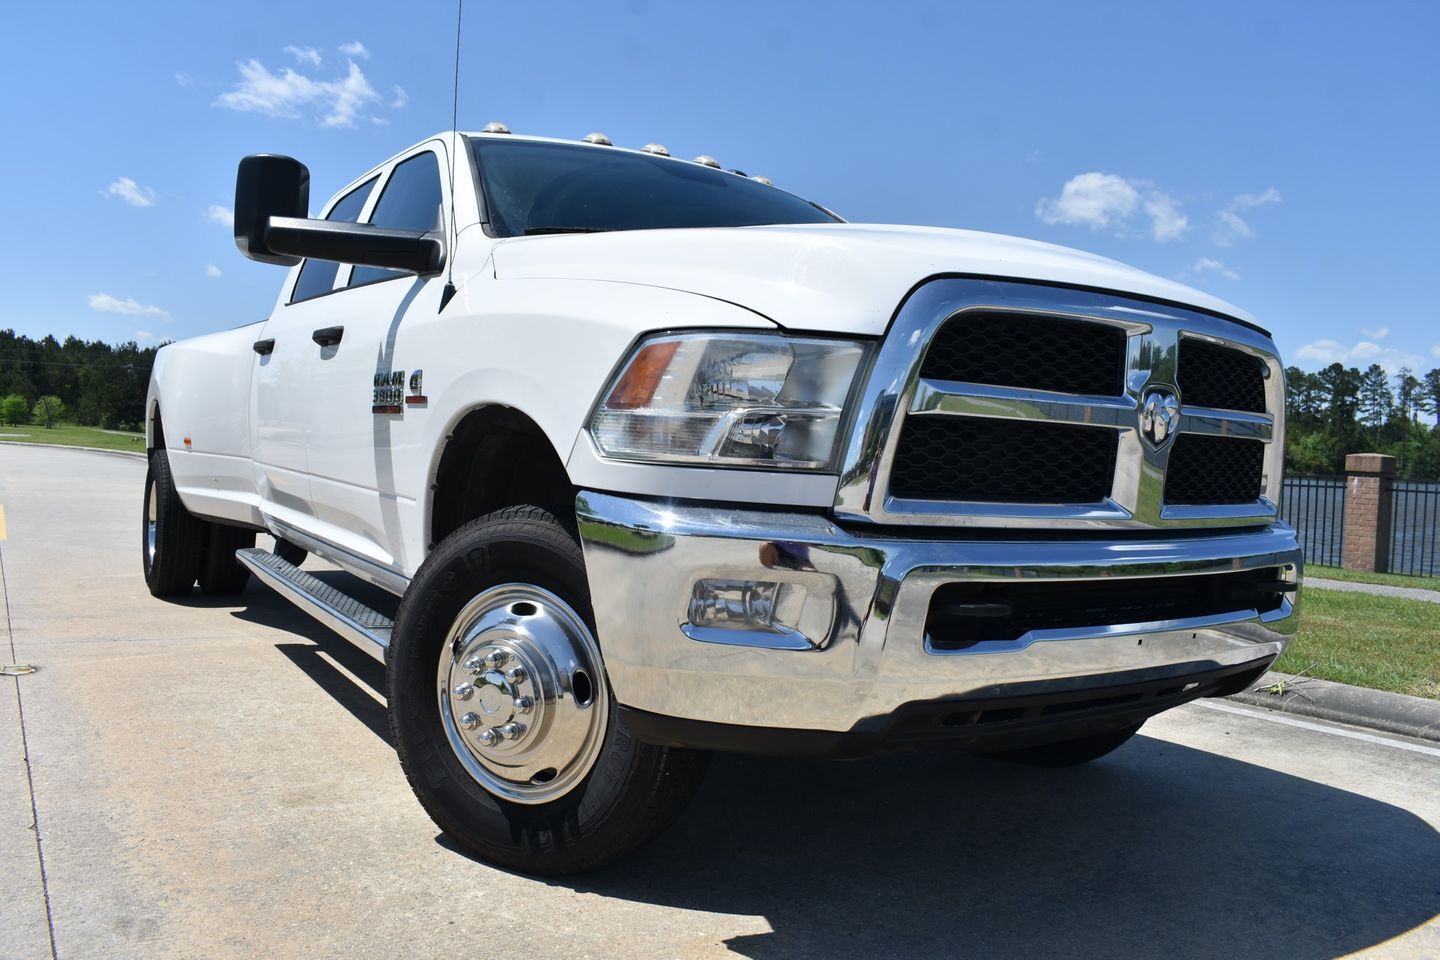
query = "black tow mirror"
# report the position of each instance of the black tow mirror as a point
(268, 186)
(272, 199)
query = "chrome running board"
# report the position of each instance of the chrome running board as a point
(366, 628)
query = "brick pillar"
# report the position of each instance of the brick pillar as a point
(1367, 512)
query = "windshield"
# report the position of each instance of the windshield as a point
(536, 187)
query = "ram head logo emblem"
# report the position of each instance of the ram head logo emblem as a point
(1159, 416)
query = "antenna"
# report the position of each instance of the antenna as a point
(449, 290)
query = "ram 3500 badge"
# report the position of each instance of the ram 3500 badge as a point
(694, 464)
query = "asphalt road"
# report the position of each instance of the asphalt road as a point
(214, 780)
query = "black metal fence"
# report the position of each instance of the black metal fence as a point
(1415, 528)
(1315, 507)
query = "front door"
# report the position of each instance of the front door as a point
(358, 421)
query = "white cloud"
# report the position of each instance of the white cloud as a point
(398, 97)
(184, 79)
(1435, 350)
(354, 49)
(143, 336)
(284, 94)
(131, 192)
(1166, 220)
(211, 270)
(304, 55)
(104, 303)
(218, 214)
(1378, 333)
(1362, 354)
(1104, 201)
(1209, 265)
(350, 95)
(1230, 226)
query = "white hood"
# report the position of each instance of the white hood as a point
(842, 278)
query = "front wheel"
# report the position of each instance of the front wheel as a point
(1070, 753)
(501, 711)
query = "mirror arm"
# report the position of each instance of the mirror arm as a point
(414, 251)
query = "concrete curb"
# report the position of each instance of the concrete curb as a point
(1375, 589)
(70, 446)
(1408, 716)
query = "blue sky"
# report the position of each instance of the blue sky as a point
(1282, 156)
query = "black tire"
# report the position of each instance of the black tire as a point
(220, 573)
(290, 553)
(632, 792)
(1070, 753)
(172, 565)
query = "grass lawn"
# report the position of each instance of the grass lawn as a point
(1386, 579)
(1384, 643)
(73, 435)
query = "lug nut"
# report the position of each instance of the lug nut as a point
(495, 658)
(515, 674)
(474, 664)
(470, 721)
(513, 731)
(463, 691)
(488, 738)
(523, 704)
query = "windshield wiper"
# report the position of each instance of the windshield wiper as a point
(537, 231)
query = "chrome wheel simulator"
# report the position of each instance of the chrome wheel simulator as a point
(521, 693)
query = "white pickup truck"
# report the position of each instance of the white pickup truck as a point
(661, 459)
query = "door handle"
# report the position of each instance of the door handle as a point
(328, 336)
(265, 347)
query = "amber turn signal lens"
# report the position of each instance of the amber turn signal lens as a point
(641, 379)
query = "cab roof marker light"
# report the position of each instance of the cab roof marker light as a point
(659, 149)
(705, 160)
(495, 126)
(599, 139)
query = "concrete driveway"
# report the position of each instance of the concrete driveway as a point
(207, 779)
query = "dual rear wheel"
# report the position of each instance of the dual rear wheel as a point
(179, 549)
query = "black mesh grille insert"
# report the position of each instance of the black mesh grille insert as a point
(1002, 461)
(964, 614)
(1207, 470)
(1035, 353)
(1214, 376)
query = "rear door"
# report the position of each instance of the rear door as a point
(288, 364)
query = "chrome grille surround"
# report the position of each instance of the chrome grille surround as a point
(895, 390)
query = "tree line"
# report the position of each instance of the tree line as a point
(1340, 410)
(81, 381)
(1330, 413)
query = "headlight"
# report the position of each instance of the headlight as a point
(761, 400)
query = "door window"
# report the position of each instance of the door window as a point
(411, 201)
(318, 276)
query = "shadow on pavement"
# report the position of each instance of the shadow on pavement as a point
(1157, 850)
(318, 658)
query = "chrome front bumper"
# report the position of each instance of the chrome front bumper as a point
(859, 652)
